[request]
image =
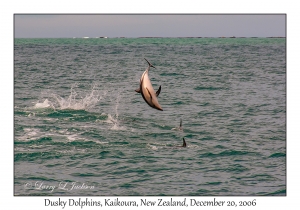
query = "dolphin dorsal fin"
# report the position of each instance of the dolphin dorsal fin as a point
(180, 125)
(158, 91)
(184, 143)
(149, 63)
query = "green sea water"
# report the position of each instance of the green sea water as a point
(80, 126)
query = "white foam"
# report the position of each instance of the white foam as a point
(45, 104)
(118, 127)
(115, 122)
(177, 129)
(30, 133)
(31, 114)
(42, 105)
(111, 120)
(101, 142)
(152, 147)
(73, 137)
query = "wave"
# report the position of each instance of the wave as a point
(278, 154)
(207, 88)
(227, 153)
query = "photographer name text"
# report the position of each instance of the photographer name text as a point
(66, 186)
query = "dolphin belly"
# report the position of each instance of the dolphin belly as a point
(149, 96)
(157, 92)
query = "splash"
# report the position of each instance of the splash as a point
(75, 101)
(117, 105)
(110, 119)
(117, 127)
(45, 104)
(115, 120)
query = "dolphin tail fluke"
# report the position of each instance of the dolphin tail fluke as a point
(149, 63)
(184, 143)
(158, 91)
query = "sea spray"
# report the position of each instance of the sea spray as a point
(115, 121)
(117, 105)
(75, 101)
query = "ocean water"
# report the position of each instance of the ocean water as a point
(81, 129)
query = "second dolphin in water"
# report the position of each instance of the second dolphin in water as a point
(147, 90)
(183, 144)
(180, 128)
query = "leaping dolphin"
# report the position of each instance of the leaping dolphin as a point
(147, 90)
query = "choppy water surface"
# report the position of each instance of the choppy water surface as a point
(79, 122)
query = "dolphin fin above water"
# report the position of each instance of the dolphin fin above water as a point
(180, 125)
(158, 91)
(180, 128)
(184, 143)
(175, 147)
